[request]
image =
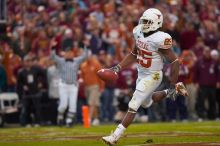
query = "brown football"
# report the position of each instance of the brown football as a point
(107, 75)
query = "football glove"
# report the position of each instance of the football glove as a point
(116, 68)
(171, 92)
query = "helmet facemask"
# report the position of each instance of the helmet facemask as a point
(146, 25)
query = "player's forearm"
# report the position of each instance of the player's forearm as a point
(129, 59)
(174, 72)
(171, 57)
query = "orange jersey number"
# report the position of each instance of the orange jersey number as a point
(146, 58)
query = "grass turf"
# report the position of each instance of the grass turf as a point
(136, 134)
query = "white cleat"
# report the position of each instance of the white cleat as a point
(110, 140)
(181, 89)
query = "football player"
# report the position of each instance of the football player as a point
(151, 46)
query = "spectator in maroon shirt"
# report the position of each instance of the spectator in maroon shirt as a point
(125, 85)
(81, 100)
(218, 90)
(41, 42)
(198, 47)
(211, 35)
(178, 107)
(216, 56)
(188, 37)
(206, 76)
(218, 48)
(107, 109)
(126, 78)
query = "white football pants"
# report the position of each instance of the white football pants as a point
(68, 97)
(145, 86)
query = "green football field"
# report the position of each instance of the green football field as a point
(191, 133)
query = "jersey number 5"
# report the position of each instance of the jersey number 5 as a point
(145, 58)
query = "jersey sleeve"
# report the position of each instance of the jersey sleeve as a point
(136, 31)
(165, 42)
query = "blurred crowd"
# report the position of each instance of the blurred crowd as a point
(107, 25)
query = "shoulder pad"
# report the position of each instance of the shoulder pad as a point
(136, 31)
(165, 40)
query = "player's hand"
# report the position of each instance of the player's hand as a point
(116, 68)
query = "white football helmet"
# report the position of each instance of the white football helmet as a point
(151, 20)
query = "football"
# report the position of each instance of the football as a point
(107, 75)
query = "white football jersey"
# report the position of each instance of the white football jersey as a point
(149, 58)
